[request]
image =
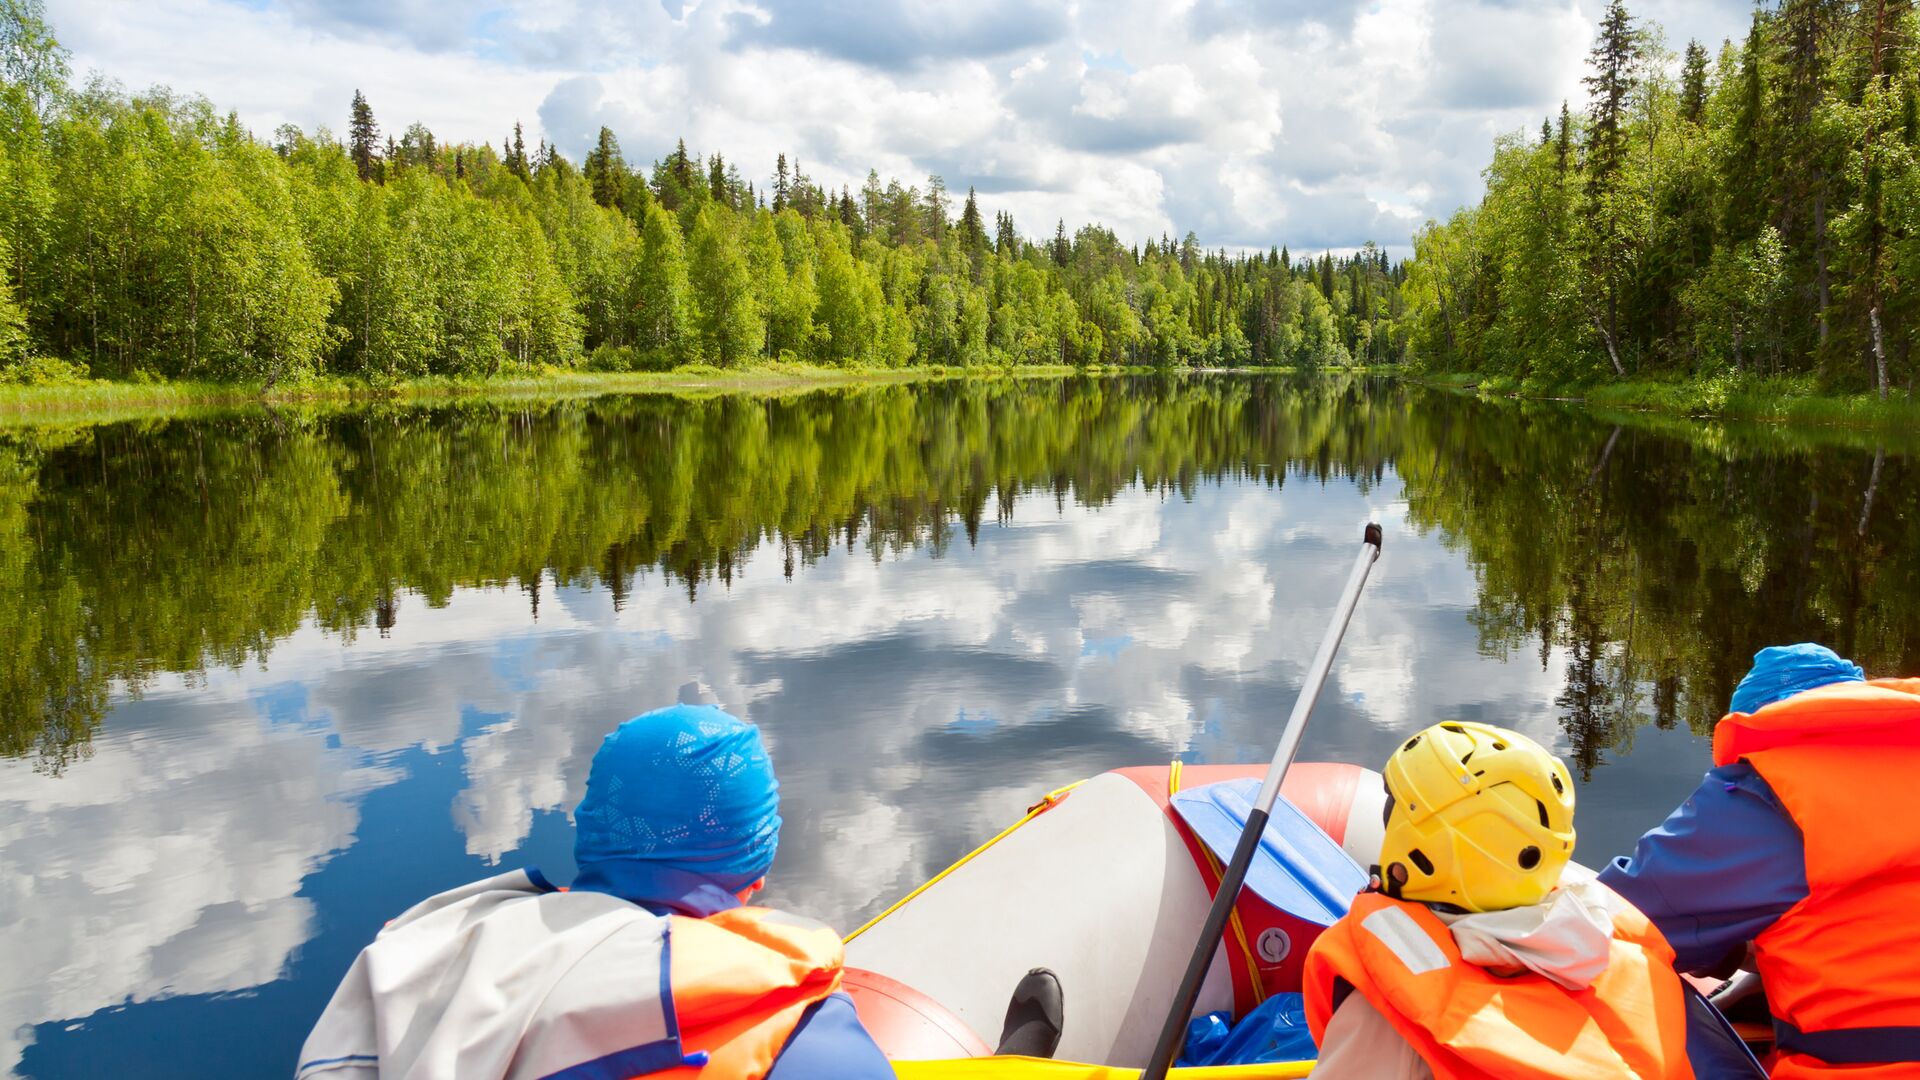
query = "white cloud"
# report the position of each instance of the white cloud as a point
(1311, 124)
(166, 865)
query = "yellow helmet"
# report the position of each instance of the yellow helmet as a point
(1477, 816)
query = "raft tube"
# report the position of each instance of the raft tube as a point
(1103, 883)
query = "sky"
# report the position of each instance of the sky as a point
(1313, 123)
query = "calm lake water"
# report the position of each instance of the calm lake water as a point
(270, 678)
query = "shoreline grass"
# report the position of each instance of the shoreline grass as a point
(103, 401)
(99, 400)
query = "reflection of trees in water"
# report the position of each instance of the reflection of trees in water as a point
(1655, 565)
(1652, 565)
(139, 548)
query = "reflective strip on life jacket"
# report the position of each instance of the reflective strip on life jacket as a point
(1842, 967)
(1468, 1023)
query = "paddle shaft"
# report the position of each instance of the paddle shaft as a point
(1173, 1033)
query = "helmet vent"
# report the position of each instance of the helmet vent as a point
(1455, 728)
(1419, 859)
(1529, 857)
(1542, 807)
(1411, 743)
(1499, 746)
(1557, 786)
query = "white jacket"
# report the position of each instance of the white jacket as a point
(502, 979)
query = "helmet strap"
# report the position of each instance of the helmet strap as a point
(1390, 879)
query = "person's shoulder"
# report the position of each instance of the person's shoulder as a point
(830, 1043)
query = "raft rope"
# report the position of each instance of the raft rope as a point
(1239, 929)
(1034, 811)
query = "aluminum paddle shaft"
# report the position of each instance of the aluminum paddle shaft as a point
(1173, 1034)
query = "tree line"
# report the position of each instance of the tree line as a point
(1755, 211)
(148, 235)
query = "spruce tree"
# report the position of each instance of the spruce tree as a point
(1693, 83)
(782, 192)
(606, 170)
(973, 231)
(1062, 250)
(517, 157)
(1612, 58)
(363, 138)
(1563, 141)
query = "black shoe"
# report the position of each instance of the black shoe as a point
(1034, 1016)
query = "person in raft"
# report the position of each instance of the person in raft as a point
(652, 964)
(1477, 951)
(1793, 851)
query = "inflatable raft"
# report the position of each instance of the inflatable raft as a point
(1107, 882)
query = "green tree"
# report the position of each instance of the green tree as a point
(363, 136)
(660, 290)
(1693, 83)
(606, 170)
(727, 321)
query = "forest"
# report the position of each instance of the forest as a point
(147, 236)
(1752, 212)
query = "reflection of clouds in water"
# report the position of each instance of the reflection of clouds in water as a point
(168, 864)
(914, 705)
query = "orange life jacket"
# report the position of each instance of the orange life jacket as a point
(742, 979)
(1469, 1023)
(1842, 967)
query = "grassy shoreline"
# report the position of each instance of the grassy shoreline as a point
(1794, 401)
(99, 400)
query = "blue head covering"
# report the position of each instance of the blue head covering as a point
(1781, 671)
(682, 811)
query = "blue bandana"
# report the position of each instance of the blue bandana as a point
(1781, 671)
(682, 811)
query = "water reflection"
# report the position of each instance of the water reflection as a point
(278, 677)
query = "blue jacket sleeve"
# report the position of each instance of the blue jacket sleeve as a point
(830, 1044)
(1719, 870)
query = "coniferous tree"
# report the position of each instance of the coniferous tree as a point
(606, 170)
(363, 137)
(1563, 139)
(1611, 80)
(1062, 250)
(1693, 83)
(1609, 84)
(973, 231)
(517, 156)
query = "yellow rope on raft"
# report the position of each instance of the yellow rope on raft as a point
(1239, 931)
(1033, 811)
(1023, 1068)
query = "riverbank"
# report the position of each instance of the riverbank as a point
(1781, 400)
(99, 400)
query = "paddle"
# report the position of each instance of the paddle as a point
(1173, 1033)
